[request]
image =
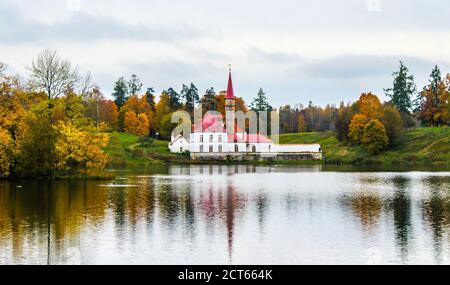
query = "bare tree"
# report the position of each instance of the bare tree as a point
(3, 67)
(53, 75)
(86, 85)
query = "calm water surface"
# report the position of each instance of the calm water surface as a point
(229, 215)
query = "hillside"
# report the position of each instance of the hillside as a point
(417, 146)
(420, 146)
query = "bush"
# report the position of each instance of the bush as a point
(146, 141)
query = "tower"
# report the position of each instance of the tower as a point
(230, 107)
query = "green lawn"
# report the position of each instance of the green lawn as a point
(419, 146)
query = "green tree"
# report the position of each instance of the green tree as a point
(209, 102)
(150, 97)
(393, 124)
(120, 93)
(342, 122)
(174, 99)
(403, 89)
(134, 85)
(375, 138)
(190, 96)
(6, 153)
(167, 126)
(260, 102)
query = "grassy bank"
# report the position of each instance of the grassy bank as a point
(419, 146)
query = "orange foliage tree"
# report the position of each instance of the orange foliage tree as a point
(356, 127)
(369, 105)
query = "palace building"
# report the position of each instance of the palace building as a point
(213, 139)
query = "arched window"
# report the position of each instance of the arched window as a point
(236, 148)
(211, 149)
(254, 148)
(220, 148)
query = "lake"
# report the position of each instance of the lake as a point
(230, 214)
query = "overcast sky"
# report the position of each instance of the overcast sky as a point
(325, 51)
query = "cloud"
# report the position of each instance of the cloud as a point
(81, 27)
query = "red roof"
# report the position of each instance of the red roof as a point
(210, 123)
(230, 92)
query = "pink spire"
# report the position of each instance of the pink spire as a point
(230, 92)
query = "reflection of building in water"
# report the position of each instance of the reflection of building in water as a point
(238, 169)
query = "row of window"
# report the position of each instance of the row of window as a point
(211, 138)
(236, 148)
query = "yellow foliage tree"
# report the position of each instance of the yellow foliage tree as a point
(143, 126)
(131, 122)
(375, 138)
(369, 105)
(356, 127)
(82, 149)
(6, 153)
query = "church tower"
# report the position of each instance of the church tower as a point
(230, 106)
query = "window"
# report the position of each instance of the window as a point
(201, 148)
(211, 149)
(211, 138)
(253, 148)
(201, 138)
(236, 148)
(220, 138)
(181, 149)
(220, 148)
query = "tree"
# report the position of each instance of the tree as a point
(209, 102)
(356, 128)
(190, 96)
(369, 105)
(150, 98)
(301, 123)
(120, 93)
(79, 149)
(174, 99)
(375, 138)
(260, 102)
(6, 153)
(403, 89)
(131, 122)
(393, 124)
(342, 122)
(161, 109)
(53, 75)
(134, 85)
(108, 113)
(3, 67)
(436, 95)
(166, 126)
(143, 126)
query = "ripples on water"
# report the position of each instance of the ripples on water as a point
(229, 214)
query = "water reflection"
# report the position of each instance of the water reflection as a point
(229, 214)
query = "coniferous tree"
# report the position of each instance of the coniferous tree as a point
(120, 93)
(260, 102)
(174, 99)
(150, 96)
(209, 102)
(403, 89)
(190, 96)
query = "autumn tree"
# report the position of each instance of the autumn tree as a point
(143, 126)
(393, 123)
(53, 75)
(130, 122)
(403, 89)
(79, 149)
(301, 123)
(161, 109)
(356, 128)
(375, 138)
(369, 105)
(436, 96)
(6, 153)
